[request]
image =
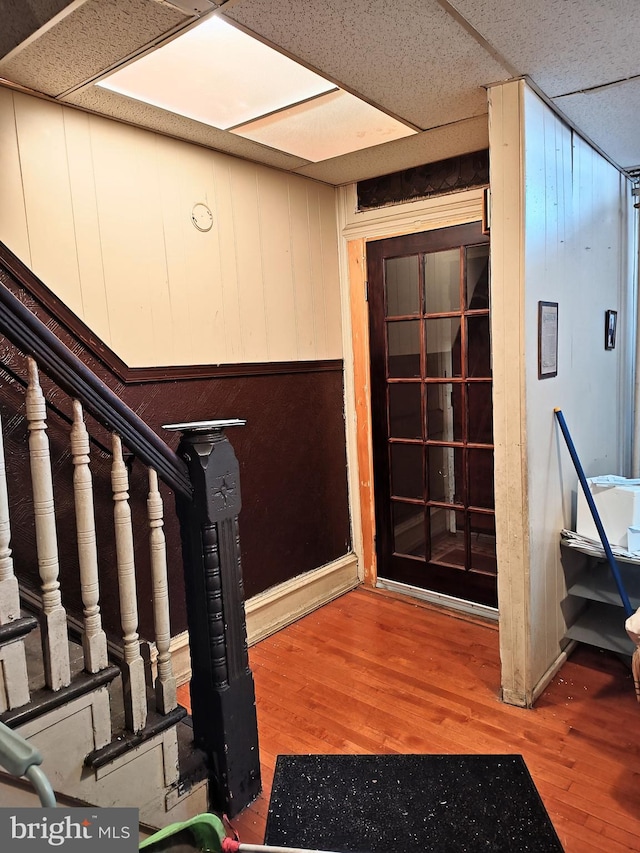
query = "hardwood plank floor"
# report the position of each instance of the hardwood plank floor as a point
(374, 673)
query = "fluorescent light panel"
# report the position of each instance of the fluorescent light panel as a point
(334, 124)
(219, 75)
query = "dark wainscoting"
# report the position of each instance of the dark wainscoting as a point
(292, 457)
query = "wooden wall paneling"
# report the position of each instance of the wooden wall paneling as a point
(45, 176)
(559, 140)
(275, 250)
(153, 274)
(193, 263)
(300, 260)
(559, 151)
(541, 193)
(228, 265)
(573, 254)
(109, 209)
(78, 134)
(316, 271)
(185, 334)
(249, 282)
(126, 216)
(628, 325)
(13, 216)
(330, 271)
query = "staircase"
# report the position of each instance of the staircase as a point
(97, 698)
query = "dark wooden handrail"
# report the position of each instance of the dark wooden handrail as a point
(33, 337)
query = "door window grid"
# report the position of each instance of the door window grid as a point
(445, 508)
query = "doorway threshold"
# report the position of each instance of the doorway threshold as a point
(449, 601)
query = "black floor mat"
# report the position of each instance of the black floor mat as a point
(408, 804)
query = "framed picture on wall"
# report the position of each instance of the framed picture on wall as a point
(610, 328)
(547, 339)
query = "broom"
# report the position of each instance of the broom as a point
(230, 845)
(205, 833)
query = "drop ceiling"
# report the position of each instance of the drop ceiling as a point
(423, 62)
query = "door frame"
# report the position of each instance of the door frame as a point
(471, 591)
(357, 229)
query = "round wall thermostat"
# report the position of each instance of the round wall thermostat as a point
(202, 217)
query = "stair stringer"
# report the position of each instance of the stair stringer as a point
(146, 777)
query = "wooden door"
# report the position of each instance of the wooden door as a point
(432, 411)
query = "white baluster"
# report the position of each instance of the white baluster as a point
(14, 682)
(133, 673)
(165, 685)
(94, 640)
(53, 620)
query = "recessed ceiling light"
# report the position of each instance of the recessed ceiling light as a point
(333, 124)
(219, 75)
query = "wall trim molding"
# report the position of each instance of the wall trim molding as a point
(275, 608)
(46, 298)
(356, 228)
(529, 698)
(456, 208)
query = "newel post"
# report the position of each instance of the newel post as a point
(222, 691)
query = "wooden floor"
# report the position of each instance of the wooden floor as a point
(373, 673)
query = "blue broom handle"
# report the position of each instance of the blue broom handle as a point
(628, 609)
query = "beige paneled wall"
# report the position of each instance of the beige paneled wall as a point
(102, 213)
(563, 237)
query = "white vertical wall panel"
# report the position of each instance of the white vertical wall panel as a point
(249, 282)
(85, 220)
(47, 195)
(228, 272)
(13, 216)
(301, 262)
(573, 249)
(327, 204)
(275, 250)
(130, 221)
(102, 213)
(192, 256)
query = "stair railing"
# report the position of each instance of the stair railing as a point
(216, 623)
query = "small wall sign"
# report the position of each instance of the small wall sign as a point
(547, 339)
(610, 328)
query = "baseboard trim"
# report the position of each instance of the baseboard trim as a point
(279, 606)
(562, 658)
(511, 697)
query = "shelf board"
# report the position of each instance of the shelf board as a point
(597, 584)
(602, 625)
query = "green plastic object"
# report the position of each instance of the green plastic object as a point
(16, 754)
(203, 833)
(21, 759)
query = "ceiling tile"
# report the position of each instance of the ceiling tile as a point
(609, 117)
(16, 28)
(563, 46)
(409, 57)
(88, 40)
